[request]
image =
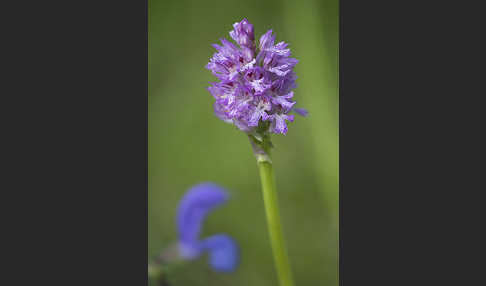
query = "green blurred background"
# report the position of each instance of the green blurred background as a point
(188, 144)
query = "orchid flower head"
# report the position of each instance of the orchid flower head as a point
(255, 81)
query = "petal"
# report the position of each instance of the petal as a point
(266, 40)
(285, 101)
(281, 100)
(280, 126)
(254, 116)
(289, 95)
(194, 207)
(258, 112)
(218, 110)
(280, 49)
(279, 122)
(242, 124)
(301, 111)
(224, 253)
(242, 33)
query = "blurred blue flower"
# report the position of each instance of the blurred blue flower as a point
(193, 208)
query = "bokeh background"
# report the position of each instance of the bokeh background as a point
(188, 144)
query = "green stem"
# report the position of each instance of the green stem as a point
(277, 241)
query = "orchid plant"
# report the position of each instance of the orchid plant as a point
(254, 92)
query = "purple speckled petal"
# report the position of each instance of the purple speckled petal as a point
(243, 34)
(258, 112)
(284, 101)
(301, 111)
(267, 40)
(279, 122)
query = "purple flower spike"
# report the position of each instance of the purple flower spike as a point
(255, 81)
(193, 209)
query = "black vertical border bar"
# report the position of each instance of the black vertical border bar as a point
(379, 128)
(80, 147)
(79, 169)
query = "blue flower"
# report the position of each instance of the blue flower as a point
(193, 208)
